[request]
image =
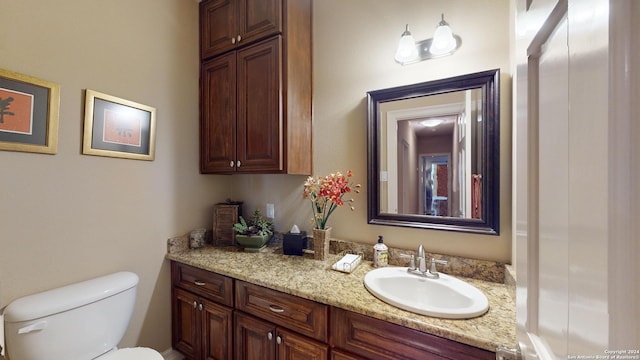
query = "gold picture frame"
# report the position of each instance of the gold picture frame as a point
(116, 127)
(29, 113)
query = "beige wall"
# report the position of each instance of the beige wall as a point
(67, 217)
(354, 45)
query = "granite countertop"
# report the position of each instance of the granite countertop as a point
(313, 279)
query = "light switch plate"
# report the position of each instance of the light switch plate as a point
(270, 211)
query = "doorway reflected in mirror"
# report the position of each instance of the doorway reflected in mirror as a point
(430, 147)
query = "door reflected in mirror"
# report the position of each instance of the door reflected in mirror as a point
(438, 151)
(433, 154)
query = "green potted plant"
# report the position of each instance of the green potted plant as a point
(253, 234)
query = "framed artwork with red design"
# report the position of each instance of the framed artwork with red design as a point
(29, 110)
(117, 127)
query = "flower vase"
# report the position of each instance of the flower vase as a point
(321, 238)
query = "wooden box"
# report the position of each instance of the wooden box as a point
(224, 216)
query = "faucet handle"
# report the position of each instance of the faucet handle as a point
(433, 269)
(420, 252)
(412, 260)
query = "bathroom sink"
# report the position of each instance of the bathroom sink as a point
(445, 297)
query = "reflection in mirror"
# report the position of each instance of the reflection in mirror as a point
(433, 154)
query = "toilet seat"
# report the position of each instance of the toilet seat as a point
(139, 353)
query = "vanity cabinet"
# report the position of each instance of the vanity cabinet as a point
(377, 339)
(256, 97)
(217, 317)
(227, 24)
(202, 313)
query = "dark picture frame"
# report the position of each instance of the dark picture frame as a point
(116, 127)
(29, 113)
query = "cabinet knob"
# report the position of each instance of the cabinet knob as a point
(200, 307)
(239, 163)
(195, 304)
(233, 40)
(231, 164)
(269, 335)
(239, 38)
(279, 340)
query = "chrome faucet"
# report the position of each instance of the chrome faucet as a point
(422, 269)
(422, 262)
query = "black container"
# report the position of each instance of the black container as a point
(294, 244)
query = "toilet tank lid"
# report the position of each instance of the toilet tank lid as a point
(69, 297)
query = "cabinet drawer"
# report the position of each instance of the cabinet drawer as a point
(301, 315)
(380, 340)
(213, 286)
(340, 355)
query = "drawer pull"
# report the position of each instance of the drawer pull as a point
(200, 283)
(276, 309)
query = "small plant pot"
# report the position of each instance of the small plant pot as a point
(252, 243)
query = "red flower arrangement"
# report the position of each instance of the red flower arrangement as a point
(326, 194)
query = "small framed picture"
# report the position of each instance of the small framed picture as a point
(29, 109)
(118, 128)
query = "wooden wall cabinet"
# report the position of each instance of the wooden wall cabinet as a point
(256, 97)
(227, 24)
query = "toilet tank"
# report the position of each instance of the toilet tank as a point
(78, 321)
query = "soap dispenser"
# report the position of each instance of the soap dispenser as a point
(380, 253)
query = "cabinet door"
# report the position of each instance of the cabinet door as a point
(254, 338)
(218, 27)
(291, 346)
(218, 115)
(217, 330)
(227, 24)
(258, 19)
(186, 330)
(259, 138)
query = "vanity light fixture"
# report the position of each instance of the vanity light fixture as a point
(443, 43)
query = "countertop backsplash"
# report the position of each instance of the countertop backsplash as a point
(457, 266)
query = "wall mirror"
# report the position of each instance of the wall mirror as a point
(433, 154)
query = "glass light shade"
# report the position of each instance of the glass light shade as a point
(431, 122)
(443, 41)
(407, 50)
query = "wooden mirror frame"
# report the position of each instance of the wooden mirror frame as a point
(489, 82)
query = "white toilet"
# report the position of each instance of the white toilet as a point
(81, 321)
